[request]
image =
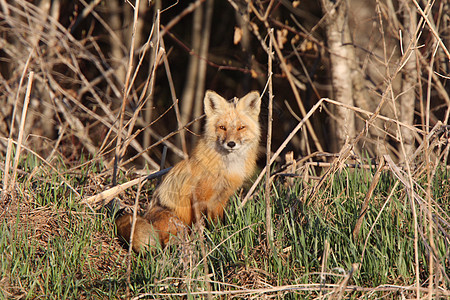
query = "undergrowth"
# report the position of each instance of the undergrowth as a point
(53, 247)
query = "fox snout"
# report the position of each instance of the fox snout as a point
(230, 145)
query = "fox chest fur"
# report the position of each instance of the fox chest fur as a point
(203, 183)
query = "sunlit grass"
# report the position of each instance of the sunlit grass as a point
(53, 247)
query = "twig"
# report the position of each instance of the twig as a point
(269, 229)
(426, 144)
(344, 283)
(376, 220)
(297, 287)
(11, 131)
(430, 219)
(326, 253)
(26, 101)
(200, 227)
(410, 192)
(133, 226)
(258, 15)
(369, 194)
(116, 190)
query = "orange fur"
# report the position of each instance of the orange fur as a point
(202, 184)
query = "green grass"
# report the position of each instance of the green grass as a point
(52, 247)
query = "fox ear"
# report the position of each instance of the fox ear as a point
(213, 102)
(250, 103)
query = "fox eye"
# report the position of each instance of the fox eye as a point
(241, 127)
(221, 127)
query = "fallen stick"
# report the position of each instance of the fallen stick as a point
(109, 194)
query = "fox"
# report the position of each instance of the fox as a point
(201, 185)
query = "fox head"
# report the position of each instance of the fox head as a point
(232, 125)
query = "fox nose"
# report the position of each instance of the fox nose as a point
(231, 144)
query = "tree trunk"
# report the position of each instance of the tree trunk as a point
(117, 54)
(201, 75)
(409, 78)
(187, 99)
(337, 30)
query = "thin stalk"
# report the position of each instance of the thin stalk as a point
(11, 132)
(22, 126)
(130, 249)
(269, 229)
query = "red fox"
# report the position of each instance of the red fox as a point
(202, 184)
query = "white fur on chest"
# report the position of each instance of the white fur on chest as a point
(235, 162)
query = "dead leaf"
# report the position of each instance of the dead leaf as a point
(282, 37)
(237, 35)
